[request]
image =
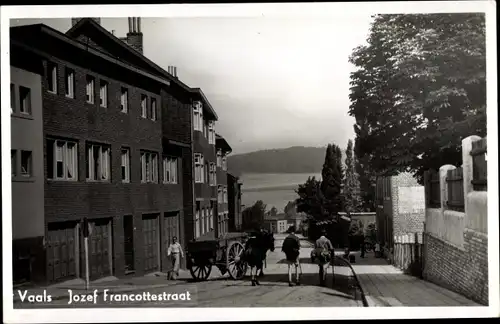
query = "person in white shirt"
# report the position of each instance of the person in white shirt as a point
(176, 253)
(377, 250)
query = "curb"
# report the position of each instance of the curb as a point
(365, 301)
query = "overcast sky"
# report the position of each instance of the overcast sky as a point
(274, 82)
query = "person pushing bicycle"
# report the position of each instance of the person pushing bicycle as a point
(324, 252)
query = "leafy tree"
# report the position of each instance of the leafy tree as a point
(419, 89)
(331, 185)
(367, 181)
(356, 228)
(273, 211)
(253, 216)
(311, 200)
(290, 210)
(352, 197)
(371, 232)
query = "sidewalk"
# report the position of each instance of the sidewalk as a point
(115, 285)
(384, 285)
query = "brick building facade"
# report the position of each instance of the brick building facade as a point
(109, 155)
(234, 203)
(27, 175)
(123, 143)
(400, 207)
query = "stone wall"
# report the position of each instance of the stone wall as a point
(456, 243)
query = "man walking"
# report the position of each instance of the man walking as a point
(291, 247)
(176, 253)
(324, 252)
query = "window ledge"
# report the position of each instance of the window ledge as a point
(23, 179)
(52, 92)
(97, 181)
(22, 116)
(62, 180)
(69, 96)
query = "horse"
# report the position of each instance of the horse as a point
(255, 252)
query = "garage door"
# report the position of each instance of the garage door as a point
(170, 228)
(100, 249)
(151, 241)
(61, 251)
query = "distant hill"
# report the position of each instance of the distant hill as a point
(297, 159)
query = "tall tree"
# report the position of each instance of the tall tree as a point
(311, 200)
(331, 184)
(367, 180)
(290, 210)
(419, 88)
(253, 216)
(352, 199)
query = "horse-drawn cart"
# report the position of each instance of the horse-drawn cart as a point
(224, 252)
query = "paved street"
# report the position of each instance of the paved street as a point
(220, 291)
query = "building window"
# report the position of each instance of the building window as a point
(153, 109)
(124, 101)
(219, 158)
(98, 162)
(70, 83)
(205, 128)
(203, 221)
(62, 160)
(103, 94)
(149, 167)
(52, 77)
(170, 170)
(219, 224)
(207, 172)
(199, 166)
(89, 91)
(211, 219)
(225, 195)
(198, 116)
(197, 220)
(12, 98)
(125, 165)
(26, 164)
(24, 100)
(144, 106)
(219, 194)
(211, 132)
(13, 162)
(224, 163)
(213, 174)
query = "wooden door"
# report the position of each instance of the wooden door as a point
(171, 228)
(61, 264)
(100, 245)
(151, 233)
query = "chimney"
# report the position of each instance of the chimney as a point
(172, 70)
(75, 21)
(134, 36)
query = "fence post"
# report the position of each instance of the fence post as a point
(443, 186)
(467, 168)
(427, 188)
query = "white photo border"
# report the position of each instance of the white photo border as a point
(252, 10)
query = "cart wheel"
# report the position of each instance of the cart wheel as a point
(200, 272)
(236, 267)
